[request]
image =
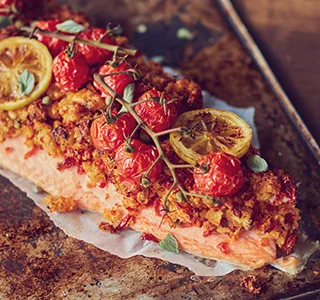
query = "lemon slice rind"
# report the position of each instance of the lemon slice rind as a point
(43, 73)
(219, 131)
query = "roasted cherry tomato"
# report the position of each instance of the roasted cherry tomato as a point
(109, 136)
(9, 7)
(223, 177)
(70, 73)
(54, 45)
(95, 55)
(116, 82)
(154, 114)
(131, 166)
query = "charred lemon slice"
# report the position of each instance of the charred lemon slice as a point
(209, 130)
(23, 55)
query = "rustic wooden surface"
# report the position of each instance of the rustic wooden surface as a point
(38, 261)
(287, 32)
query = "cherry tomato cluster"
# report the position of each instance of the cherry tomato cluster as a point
(111, 136)
(72, 70)
(223, 176)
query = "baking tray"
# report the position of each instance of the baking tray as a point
(38, 261)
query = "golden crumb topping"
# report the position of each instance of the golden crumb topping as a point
(60, 204)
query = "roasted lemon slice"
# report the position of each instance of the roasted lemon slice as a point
(209, 130)
(23, 55)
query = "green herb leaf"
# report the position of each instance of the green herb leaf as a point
(169, 243)
(184, 34)
(257, 164)
(46, 100)
(108, 100)
(158, 58)
(142, 28)
(145, 181)
(180, 197)
(5, 21)
(37, 189)
(70, 26)
(128, 94)
(26, 83)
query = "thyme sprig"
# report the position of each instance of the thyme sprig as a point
(76, 39)
(183, 193)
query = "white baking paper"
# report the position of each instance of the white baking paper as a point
(84, 225)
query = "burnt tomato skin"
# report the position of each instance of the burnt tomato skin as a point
(223, 178)
(116, 82)
(70, 73)
(154, 114)
(54, 45)
(109, 136)
(131, 166)
(95, 55)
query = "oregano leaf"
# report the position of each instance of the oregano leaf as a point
(184, 34)
(5, 21)
(128, 94)
(26, 83)
(108, 100)
(70, 26)
(169, 243)
(257, 164)
(158, 58)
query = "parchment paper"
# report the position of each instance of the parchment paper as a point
(84, 226)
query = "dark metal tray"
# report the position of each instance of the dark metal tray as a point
(38, 261)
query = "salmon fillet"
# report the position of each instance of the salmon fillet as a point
(249, 249)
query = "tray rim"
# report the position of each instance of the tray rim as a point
(232, 16)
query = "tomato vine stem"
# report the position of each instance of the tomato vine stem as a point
(130, 72)
(70, 38)
(155, 138)
(177, 129)
(182, 166)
